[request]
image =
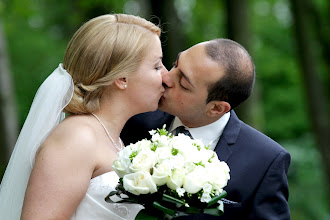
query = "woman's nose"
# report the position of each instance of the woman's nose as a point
(164, 70)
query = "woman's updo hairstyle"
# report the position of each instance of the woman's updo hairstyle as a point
(105, 48)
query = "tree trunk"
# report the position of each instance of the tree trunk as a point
(8, 117)
(316, 101)
(172, 36)
(238, 30)
(322, 35)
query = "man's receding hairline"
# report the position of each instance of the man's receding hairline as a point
(213, 46)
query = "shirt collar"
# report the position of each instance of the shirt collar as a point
(208, 133)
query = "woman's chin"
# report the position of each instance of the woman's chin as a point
(150, 108)
(154, 109)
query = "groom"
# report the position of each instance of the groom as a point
(205, 84)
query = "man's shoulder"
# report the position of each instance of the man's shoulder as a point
(253, 137)
(150, 120)
(241, 133)
(138, 127)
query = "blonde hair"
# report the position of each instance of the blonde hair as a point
(104, 49)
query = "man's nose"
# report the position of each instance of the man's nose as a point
(167, 80)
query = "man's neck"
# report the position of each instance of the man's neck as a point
(195, 123)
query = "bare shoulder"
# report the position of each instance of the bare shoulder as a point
(75, 134)
(81, 143)
(63, 167)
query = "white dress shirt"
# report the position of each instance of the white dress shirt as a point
(208, 134)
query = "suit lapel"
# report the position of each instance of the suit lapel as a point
(226, 141)
(228, 137)
(223, 150)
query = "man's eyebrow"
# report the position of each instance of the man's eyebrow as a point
(186, 78)
(182, 73)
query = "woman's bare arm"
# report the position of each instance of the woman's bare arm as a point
(61, 174)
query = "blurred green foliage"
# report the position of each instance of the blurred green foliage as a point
(307, 199)
(37, 33)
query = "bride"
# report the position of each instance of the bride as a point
(111, 71)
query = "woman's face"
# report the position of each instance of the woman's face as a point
(146, 84)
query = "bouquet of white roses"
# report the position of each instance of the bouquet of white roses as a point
(174, 174)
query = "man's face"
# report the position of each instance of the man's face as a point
(187, 85)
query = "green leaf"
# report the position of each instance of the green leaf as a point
(162, 131)
(126, 200)
(112, 193)
(143, 215)
(214, 211)
(164, 209)
(200, 163)
(153, 147)
(216, 198)
(193, 210)
(175, 151)
(210, 160)
(196, 145)
(171, 199)
(133, 154)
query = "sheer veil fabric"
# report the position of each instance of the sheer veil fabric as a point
(44, 115)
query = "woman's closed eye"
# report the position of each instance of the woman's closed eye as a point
(158, 67)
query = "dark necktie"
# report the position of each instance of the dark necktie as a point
(181, 129)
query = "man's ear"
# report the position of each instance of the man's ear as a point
(120, 83)
(217, 108)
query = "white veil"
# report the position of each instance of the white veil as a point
(45, 114)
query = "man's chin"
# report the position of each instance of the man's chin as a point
(162, 105)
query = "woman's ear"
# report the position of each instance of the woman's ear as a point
(217, 108)
(121, 83)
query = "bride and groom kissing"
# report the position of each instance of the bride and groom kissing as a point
(111, 83)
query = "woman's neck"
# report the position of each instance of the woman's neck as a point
(114, 112)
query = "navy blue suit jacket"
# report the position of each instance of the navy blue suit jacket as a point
(258, 167)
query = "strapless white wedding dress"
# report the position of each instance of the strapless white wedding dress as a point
(93, 206)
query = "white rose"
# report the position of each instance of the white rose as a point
(125, 153)
(194, 181)
(199, 143)
(214, 157)
(143, 145)
(122, 164)
(189, 166)
(139, 183)
(161, 140)
(205, 155)
(163, 153)
(144, 160)
(218, 173)
(176, 179)
(176, 162)
(161, 174)
(163, 170)
(184, 145)
(130, 148)
(181, 140)
(121, 167)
